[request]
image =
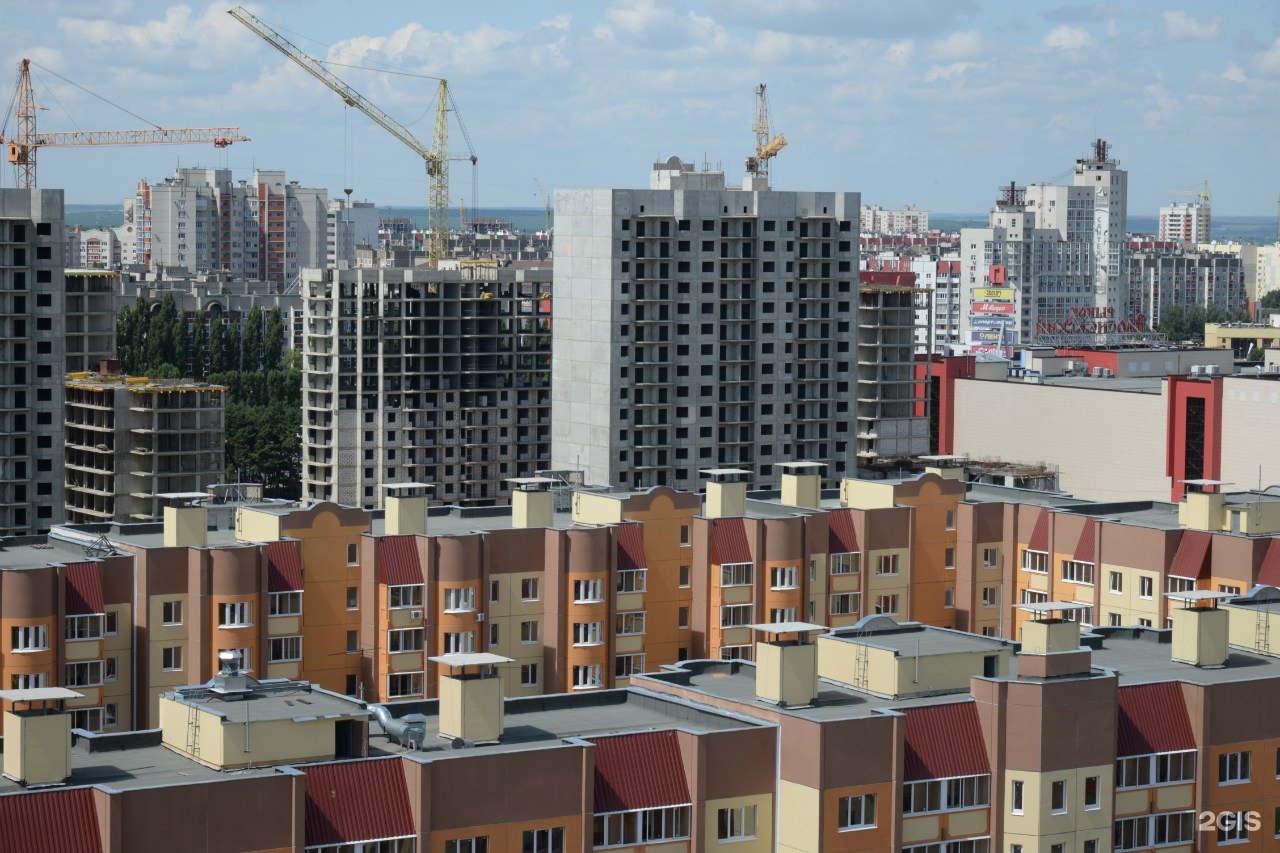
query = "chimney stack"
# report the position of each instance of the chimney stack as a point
(726, 492)
(471, 704)
(787, 663)
(1200, 628)
(532, 503)
(405, 508)
(1051, 644)
(1204, 505)
(37, 740)
(186, 523)
(802, 484)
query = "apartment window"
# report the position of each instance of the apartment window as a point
(631, 580)
(1115, 582)
(954, 794)
(949, 558)
(630, 623)
(949, 597)
(353, 556)
(110, 623)
(1058, 797)
(1016, 797)
(887, 564)
(585, 677)
(399, 597)
(493, 592)
(588, 633)
(405, 640)
(29, 638)
(529, 589)
(353, 598)
(84, 627)
(735, 615)
(529, 631)
(1233, 768)
(784, 577)
(1077, 571)
(1035, 561)
(990, 596)
(737, 652)
(625, 666)
(528, 675)
(353, 641)
(284, 649)
(459, 642)
(1145, 587)
(1181, 584)
(843, 564)
(459, 599)
(735, 574)
(588, 592)
(493, 635)
(857, 812)
(171, 658)
(285, 604)
(28, 681)
(478, 844)
(736, 824)
(846, 603)
(543, 840)
(89, 719)
(951, 519)
(235, 614)
(684, 535)
(1090, 846)
(887, 605)
(683, 620)
(644, 826)
(84, 674)
(990, 558)
(171, 613)
(400, 684)
(1229, 588)
(684, 576)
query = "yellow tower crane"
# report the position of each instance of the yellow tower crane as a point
(436, 157)
(767, 145)
(22, 148)
(1202, 193)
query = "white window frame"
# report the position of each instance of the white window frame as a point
(405, 640)
(287, 649)
(588, 633)
(629, 623)
(1058, 787)
(641, 826)
(990, 558)
(474, 844)
(784, 577)
(1152, 830)
(397, 682)
(549, 840)
(529, 632)
(1177, 584)
(404, 596)
(737, 652)
(459, 642)
(588, 592)
(971, 792)
(849, 563)
(737, 574)
(632, 580)
(235, 614)
(287, 603)
(1115, 582)
(88, 626)
(528, 675)
(89, 673)
(736, 615)
(886, 565)
(1017, 797)
(781, 614)
(28, 680)
(1078, 572)
(735, 823)
(991, 596)
(855, 812)
(1234, 768)
(171, 612)
(845, 603)
(588, 676)
(887, 604)
(171, 658)
(625, 666)
(459, 599)
(1035, 561)
(529, 589)
(29, 638)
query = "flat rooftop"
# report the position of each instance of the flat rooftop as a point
(911, 638)
(1145, 655)
(272, 699)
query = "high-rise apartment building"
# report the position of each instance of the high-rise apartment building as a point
(700, 325)
(907, 219)
(32, 359)
(350, 224)
(90, 320)
(202, 220)
(1185, 222)
(432, 376)
(1160, 280)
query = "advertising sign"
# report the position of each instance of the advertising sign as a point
(993, 307)
(989, 322)
(985, 336)
(993, 293)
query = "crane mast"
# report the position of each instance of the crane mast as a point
(22, 148)
(767, 145)
(435, 157)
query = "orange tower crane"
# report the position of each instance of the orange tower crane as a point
(23, 146)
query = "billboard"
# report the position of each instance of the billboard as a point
(993, 293)
(990, 322)
(993, 307)
(991, 337)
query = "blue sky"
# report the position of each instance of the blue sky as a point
(909, 101)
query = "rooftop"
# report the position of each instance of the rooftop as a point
(912, 638)
(272, 699)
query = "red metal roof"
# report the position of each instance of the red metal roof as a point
(944, 741)
(729, 542)
(284, 567)
(631, 546)
(52, 822)
(84, 589)
(349, 801)
(1191, 558)
(1040, 533)
(1088, 542)
(843, 537)
(1152, 718)
(1269, 571)
(398, 561)
(640, 771)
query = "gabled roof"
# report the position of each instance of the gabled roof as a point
(944, 741)
(52, 822)
(349, 801)
(1191, 558)
(1040, 533)
(639, 771)
(398, 561)
(1269, 571)
(1087, 543)
(84, 589)
(631, 546)
(843, 537)
(1152, 718)
(729, 542)
(284, 567)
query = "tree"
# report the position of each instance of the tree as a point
(163, 335)
(1187, 324)
(1271, 300)
(251, 338)
(273, 340)
(217, 345)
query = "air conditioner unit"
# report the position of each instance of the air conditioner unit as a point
(415, 614)
(1197, 369)
(479, 617)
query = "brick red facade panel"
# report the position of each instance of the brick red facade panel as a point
(351, 801)
(944, 741)
(1152, 718)
(843, 537)
(1269, 571)
(1040, 533)
(84, 589)
(1088, 540)
(55, 822)
(630, 547)
(640, 771)
(1191, 558)
(284, 567)
(398, 561)
(729, 542)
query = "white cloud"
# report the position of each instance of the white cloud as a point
(947, 72)
(1269, 59)
(1179, 26)
(1067, 38)
(1160, 105)
(962, 44)
(901, 51)
(1234, 73)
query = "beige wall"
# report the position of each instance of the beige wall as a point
(1250, 412)
(1038, 827)
(799, 818)
(1062, 427)
(763, 840)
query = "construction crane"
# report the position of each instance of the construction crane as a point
(1202, 193)
(436, 157)
(22, 148)
(546, 205)
(767, 145)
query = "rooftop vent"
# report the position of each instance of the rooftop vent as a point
(231, 679)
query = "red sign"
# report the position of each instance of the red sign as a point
(996, 274)
(1094, 321)
(993, 307)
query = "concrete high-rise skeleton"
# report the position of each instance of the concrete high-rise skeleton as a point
(700, 325)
